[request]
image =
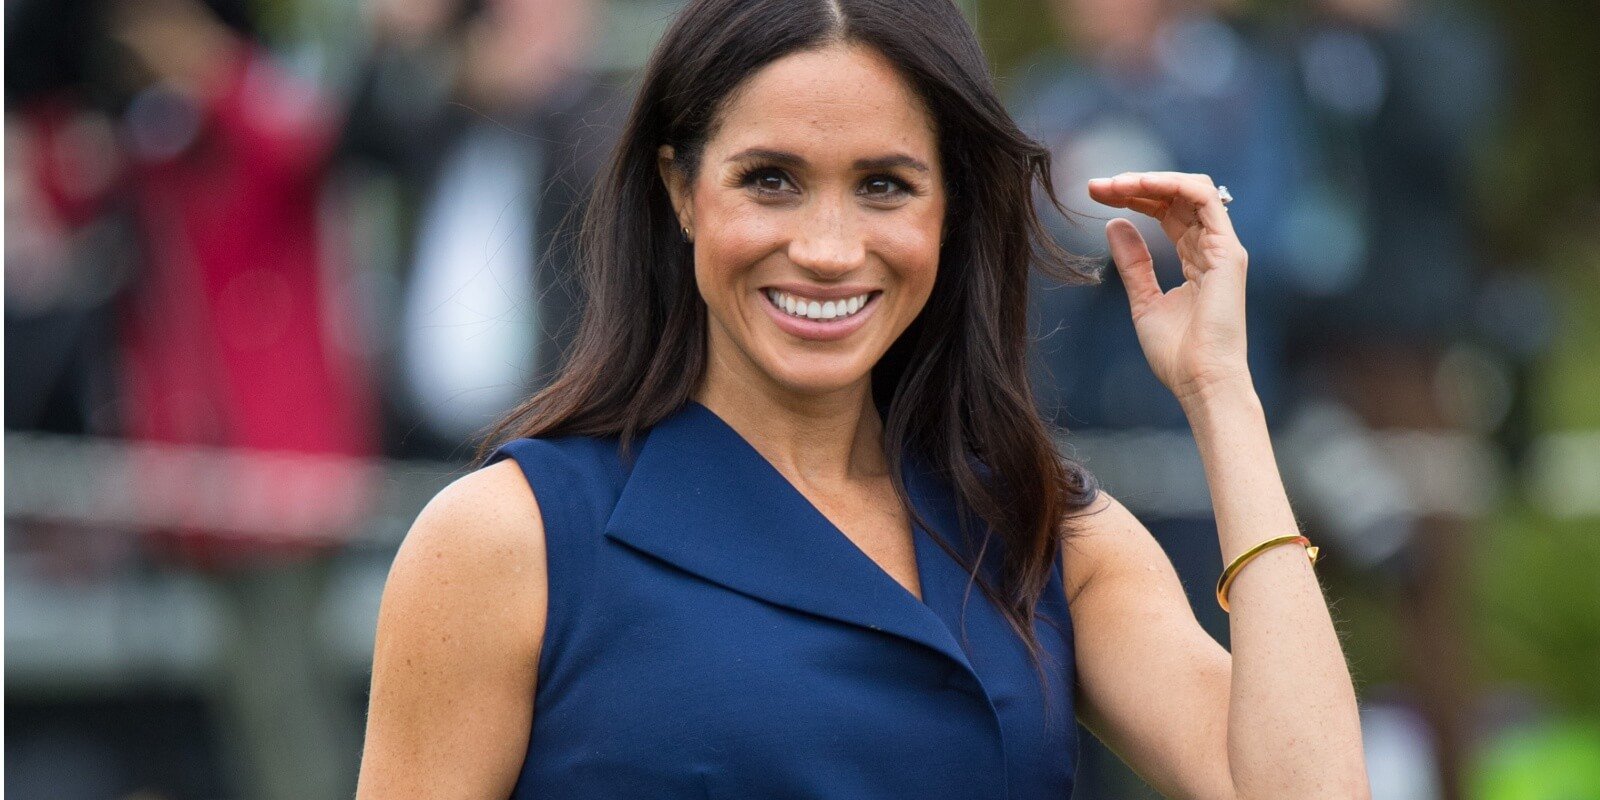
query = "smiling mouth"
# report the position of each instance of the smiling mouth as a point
(819, 311)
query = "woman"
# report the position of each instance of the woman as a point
(774, 550)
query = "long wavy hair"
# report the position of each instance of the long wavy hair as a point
(954, 385)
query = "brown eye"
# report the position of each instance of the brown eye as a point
(768, 180)
(882, 186)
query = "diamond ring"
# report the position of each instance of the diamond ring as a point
(1222, 194)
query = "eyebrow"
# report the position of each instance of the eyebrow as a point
(862, 164)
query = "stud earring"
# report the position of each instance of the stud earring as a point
(685, 234)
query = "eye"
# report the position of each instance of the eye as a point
(767, 180)
(883, 186)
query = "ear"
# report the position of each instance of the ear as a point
(676, 183)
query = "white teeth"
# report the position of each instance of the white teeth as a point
(817, 310)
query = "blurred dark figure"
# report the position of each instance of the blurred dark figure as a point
(232, 332)
(65, 264)
(66, 251)
(1400, 93)
(1159, 85)
(491, 123)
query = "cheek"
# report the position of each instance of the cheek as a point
(732, 237)
(911, 248)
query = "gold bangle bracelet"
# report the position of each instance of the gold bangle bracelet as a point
(1226, 580)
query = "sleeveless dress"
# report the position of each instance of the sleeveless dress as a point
(712, 635)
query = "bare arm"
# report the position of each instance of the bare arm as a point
(1152, 684)
(1293, 726)
(1275, 719)
(1278, 717)
(458, 640)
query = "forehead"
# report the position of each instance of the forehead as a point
(844, 100)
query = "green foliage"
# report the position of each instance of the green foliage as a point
(1536, 606)
(1567, 394)
(1363, 613)
(1559, 761)
(1543, 175)
(1011, 30)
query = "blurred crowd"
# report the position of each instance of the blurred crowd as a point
(215, 242)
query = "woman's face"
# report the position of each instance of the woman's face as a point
(816, 217)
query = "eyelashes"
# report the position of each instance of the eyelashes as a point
(771, 181)
(897, 187)
(754, 177)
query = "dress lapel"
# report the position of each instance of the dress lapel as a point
(703, 499)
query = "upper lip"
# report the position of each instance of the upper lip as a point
(822, 292)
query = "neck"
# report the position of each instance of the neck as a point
(823, 438)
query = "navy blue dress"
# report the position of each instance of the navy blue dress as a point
(711, 635)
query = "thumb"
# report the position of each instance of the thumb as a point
(1134, 265)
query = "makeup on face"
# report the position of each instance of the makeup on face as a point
(818, 216)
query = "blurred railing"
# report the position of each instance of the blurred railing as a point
(136, 623)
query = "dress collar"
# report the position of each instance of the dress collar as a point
(702, 498)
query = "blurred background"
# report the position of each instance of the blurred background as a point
(271, 265)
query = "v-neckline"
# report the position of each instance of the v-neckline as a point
(700, 497)
(917, 546)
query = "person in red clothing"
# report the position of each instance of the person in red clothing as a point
(238, 333)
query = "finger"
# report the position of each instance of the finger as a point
(1199, 190)
(1107, 191)
(1191, 272)
(1150, 208)
(1146, 206)
(1124, 191)
(1118, 189)
(1132, 257)
(1165, 187)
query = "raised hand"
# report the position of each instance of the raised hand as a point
(1193, 334)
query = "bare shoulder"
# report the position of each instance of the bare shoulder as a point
(481, 536)
(492, 507)
(458, 638)
(1105, 538)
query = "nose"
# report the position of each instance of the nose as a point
(827, 242)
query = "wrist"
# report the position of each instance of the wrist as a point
(1231, 391)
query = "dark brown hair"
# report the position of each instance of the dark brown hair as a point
(954, 385)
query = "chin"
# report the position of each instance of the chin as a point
(819, 375)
